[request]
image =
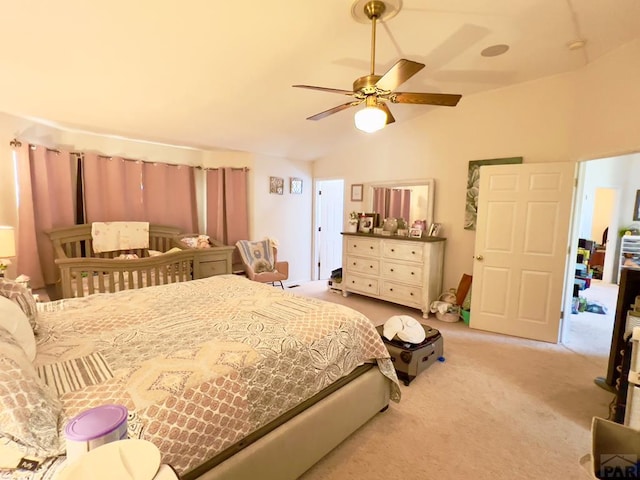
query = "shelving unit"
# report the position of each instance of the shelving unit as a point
(627, 292)
(629, 253)
(582, 270)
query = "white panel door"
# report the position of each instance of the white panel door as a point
(521, 248)
(330, 219)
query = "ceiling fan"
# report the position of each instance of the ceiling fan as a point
(376, 90)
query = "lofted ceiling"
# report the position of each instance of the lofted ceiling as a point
(218, 75)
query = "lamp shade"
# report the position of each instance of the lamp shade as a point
(370, 119)
(7, 242)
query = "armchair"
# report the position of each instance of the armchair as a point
(260, 262)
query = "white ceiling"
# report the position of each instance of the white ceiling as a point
(218, 75)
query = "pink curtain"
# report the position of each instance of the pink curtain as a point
(45, 201)
(227, 206)
(400, 203)
(116, 189)
(392, 202)
(112, 189)
(380, 195)
(169, 195)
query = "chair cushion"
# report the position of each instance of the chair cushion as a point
(267, 277)
(257, 255)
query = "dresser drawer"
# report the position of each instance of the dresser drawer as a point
(209, 269)
(410, 251)
(363, 246)
(362, 284)
(366, 265)
(402, 272)
(404, 294)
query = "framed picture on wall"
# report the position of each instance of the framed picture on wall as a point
(636, 208)
(276, 185)
(296, 185)
(473, 186)
(356, 192)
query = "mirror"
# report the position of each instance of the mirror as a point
(418, 193)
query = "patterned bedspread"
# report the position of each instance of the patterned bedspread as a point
(202, 363)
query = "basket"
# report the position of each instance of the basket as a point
(450, 317)
(448, 297)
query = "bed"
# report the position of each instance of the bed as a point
(229, 378)
(167, 260)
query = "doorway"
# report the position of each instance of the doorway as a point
(329, 219)
(604, 202)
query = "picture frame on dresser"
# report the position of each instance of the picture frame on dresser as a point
(415, 233)
(375, 216)
(365, 224)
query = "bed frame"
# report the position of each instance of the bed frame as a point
(290, 449)
(77, 262)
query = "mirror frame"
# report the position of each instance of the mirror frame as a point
(429, 182)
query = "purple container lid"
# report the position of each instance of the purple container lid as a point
(95, 422)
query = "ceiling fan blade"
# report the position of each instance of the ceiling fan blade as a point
(441, 99)
(326, 113)
(383, 106)
(402, 71)
(325, 89)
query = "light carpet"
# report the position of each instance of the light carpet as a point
(499, 407)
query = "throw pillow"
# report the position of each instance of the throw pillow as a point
(20, 294)
(258, 255)
(29, 411)
(16, 323)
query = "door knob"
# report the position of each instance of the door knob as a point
(479, 257)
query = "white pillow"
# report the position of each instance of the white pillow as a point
(14, 320)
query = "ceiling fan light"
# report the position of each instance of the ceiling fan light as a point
(370, 119)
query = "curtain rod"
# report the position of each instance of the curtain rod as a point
(17, 143)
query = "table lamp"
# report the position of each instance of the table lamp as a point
(7, 247)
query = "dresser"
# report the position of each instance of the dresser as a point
(402, 270)
(212, 261)
(208, 262)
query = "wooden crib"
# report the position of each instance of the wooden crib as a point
(84, 272)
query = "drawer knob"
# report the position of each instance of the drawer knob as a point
(412, 273)
(411, 293)
(370, 266)
(353, 281)
(413, 253)
(371, 247)
(391, 289)
(391, 269)
(393, 250)
(354, 263)
(369, 284)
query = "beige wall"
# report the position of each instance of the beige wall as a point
(586, 114)
(591, 113)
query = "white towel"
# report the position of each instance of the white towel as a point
(439, 306)
(111, 236)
